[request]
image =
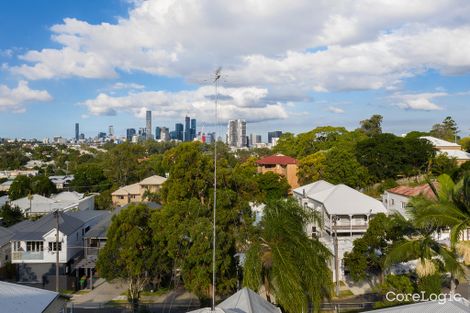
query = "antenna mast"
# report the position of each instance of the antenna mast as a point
(216, 84)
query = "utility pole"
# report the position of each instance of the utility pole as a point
(56, 215)
(336, 255)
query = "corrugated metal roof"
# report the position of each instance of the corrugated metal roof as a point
(409, 191)
(437, 142)
(15, 298)
(462, 306)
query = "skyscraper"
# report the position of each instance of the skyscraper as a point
(130, 132)
(274, 134)
(187, 131)
(158, 132)
(111, 131)
(236, 133)
(77, 132)
(193, 129)
(148, 125)
(179, 129)
(165, 134)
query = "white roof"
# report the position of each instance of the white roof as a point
(68, 196)
(244, 301)
(313, 188)
(153, 180)
(40, 204)
(15, 298)
(439, 142)
(458, 154)
(341, 199)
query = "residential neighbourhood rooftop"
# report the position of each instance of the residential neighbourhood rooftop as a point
(437, 142)
(458, 154)
(454, 306)
(413, 191)
(16, 298)
(129, 189)
(277, 159)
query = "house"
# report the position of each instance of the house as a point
(396, 199)
(450, 149)
(5, 186)
(64, 201)
(61, 181)
(34, 248)
(11, 175)
(16, 298)
(344, 211)
(282, 165)
(136, 192)
(5, 248)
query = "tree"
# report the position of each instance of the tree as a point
(399, 284)
(465, 143)
(388, 156)
(285, 261)
(42, 185)
(104, 200)
(10, 215)
(367, 258)
(446, 130)
(20, 187)
(442, 164)
(121, 163)
(89, 177)
(312, 167)
(372, 126)
(273, 186)
(128, 253)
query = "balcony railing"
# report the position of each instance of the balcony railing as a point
(346, 227)
(27, 255)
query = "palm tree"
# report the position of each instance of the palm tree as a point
(285, 261)
(447, 208)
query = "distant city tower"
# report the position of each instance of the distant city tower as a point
(77, 131)
(148, 125)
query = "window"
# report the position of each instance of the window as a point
(392, 201)
(34, 246)
(16, 246)
(403, 205)
(121, 197)
(52, 246)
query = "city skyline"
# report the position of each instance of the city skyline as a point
(332, 64)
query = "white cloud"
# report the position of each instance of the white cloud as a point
(245, 103)
(14, 98)
(335, 110)
(121, 85)
(421, 101)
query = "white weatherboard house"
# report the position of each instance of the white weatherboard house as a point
(343, 210)
(33, 244)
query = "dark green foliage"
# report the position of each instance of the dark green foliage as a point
(103, 201)
(128, 253)
(12, 157)
(42, 185)
(389, 156)
(10, 215)
(121, 163)
(20, 187)
(399, 284)
(89, 177)
(367, 258)
(290, 266)
(430, 284)
(273, 186)
(442, 164)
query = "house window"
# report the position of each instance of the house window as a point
(403, 205)
(34, 246)
(121, 197)
(53, 246)
(16, 246)
(392, 201)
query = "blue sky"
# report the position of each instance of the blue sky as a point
(287, 66)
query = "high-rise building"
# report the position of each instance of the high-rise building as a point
(274, 134)
(111, 131)
(165, 134)
(187, 129)
(179, 129)
(193, 129)
(77, 131)
(148, 125)
(158, 132)
(258, 139)
(236, 133)
(130, 132)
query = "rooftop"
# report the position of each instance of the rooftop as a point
(133, 189)
(16, 298)
(409, 191)
(458, 154)
(437, 142)
(153, 180)
(277, 159)
(453, 306)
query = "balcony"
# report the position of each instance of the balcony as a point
(27, 255)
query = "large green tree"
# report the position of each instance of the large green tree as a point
(129, 253)
(20, 187)
(285, 261)
(446, 130)
(89, 177)
(372, 126)
(10, 215)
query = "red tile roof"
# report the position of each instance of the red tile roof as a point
(277, 159)
(408, 191)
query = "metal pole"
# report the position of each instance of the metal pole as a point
(336, 256)
(57, 252)
(216, 81)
